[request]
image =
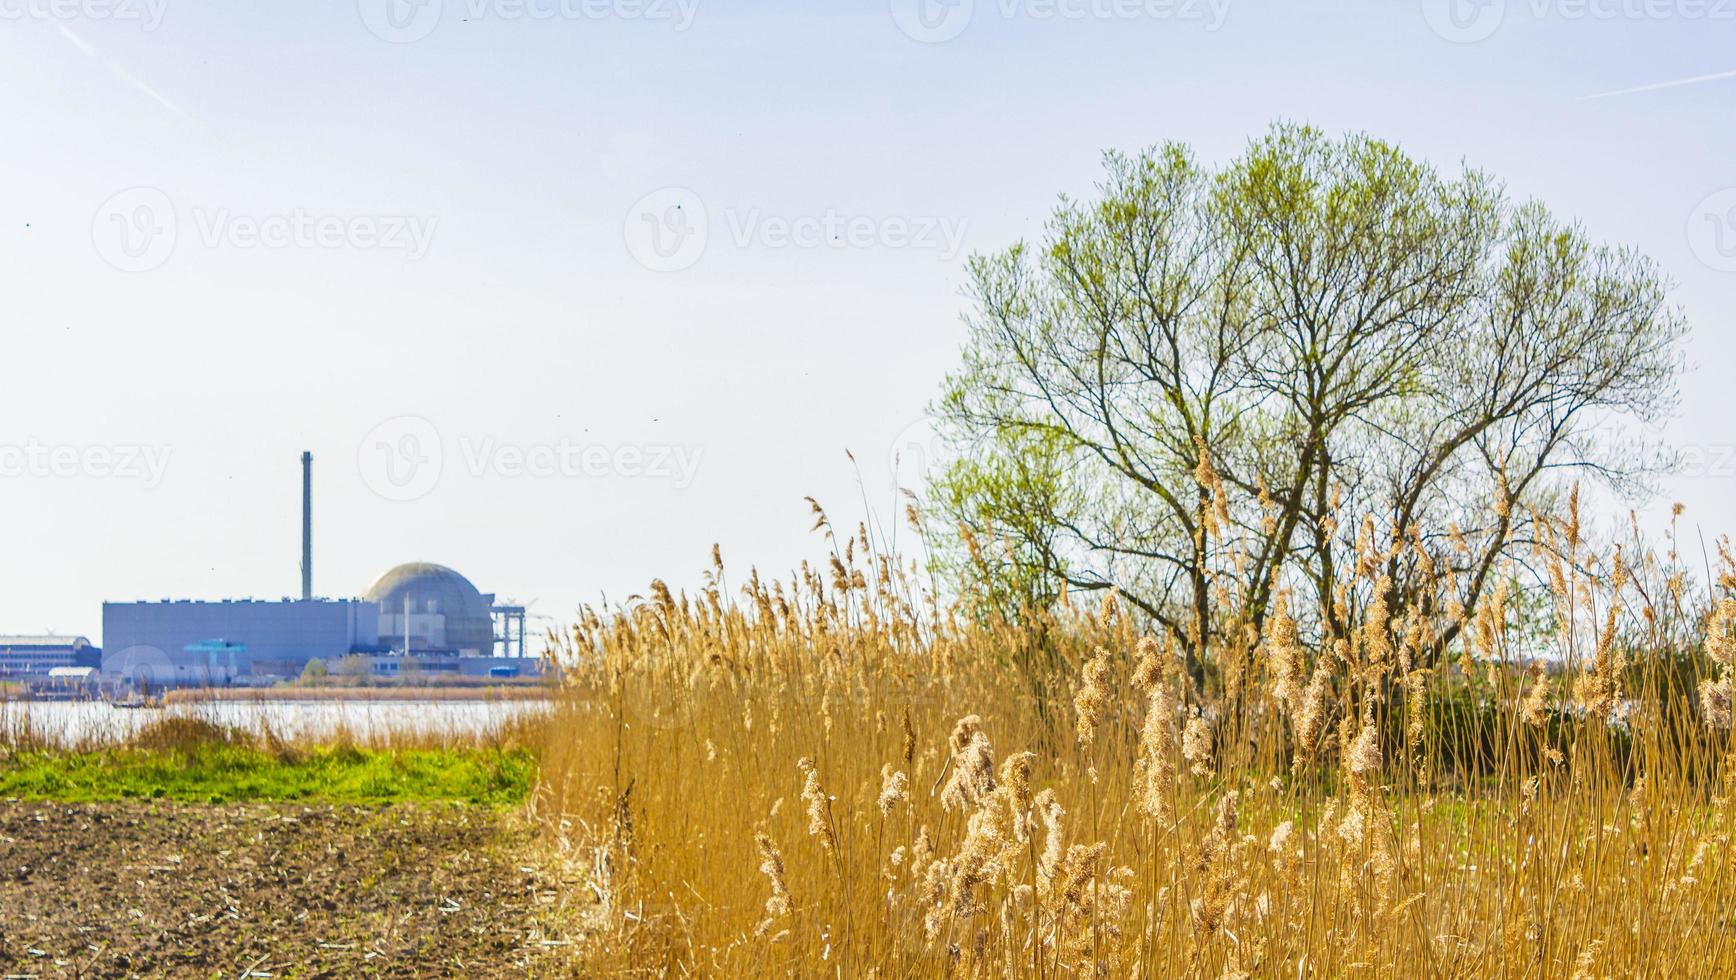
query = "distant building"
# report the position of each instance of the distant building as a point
(169, 642)
(416, 618)
(36, 656)
(419, 617)
(75, 680)
(427, 608)
(222, 661)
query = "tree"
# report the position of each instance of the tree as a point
(1197, 386)
(357, 667)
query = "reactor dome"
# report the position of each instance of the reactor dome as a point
(445, 612)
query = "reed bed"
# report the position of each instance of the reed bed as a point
(838, 776)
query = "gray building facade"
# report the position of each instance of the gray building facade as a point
(192, 642)
(35, 656)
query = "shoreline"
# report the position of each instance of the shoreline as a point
(479, 692)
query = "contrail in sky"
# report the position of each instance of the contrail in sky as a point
(1697, 79)
(117, 71)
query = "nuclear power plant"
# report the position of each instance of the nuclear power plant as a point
(416, 618)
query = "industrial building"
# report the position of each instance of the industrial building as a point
(419, 616)
(432, 609)
(26, 657)
(416, 617)
(174, 642)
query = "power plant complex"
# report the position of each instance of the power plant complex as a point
(416, 619)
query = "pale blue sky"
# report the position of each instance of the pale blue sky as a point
(521, 148)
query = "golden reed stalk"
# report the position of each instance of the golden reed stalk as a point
(836, 777)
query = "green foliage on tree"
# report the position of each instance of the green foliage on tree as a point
(1200, 384)
(355, 667)
(314, 672)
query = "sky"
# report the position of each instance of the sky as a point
(561, 292)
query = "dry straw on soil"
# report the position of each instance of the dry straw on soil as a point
(835, 777)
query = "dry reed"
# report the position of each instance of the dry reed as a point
(919, 800)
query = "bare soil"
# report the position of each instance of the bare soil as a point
(274, 890)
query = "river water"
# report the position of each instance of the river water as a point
(83, 722)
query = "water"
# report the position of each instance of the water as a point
(74, 722)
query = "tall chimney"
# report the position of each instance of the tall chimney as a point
(307, 525)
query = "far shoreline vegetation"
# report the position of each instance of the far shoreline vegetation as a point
(344, 689)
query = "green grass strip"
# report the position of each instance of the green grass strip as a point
(244, 774)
